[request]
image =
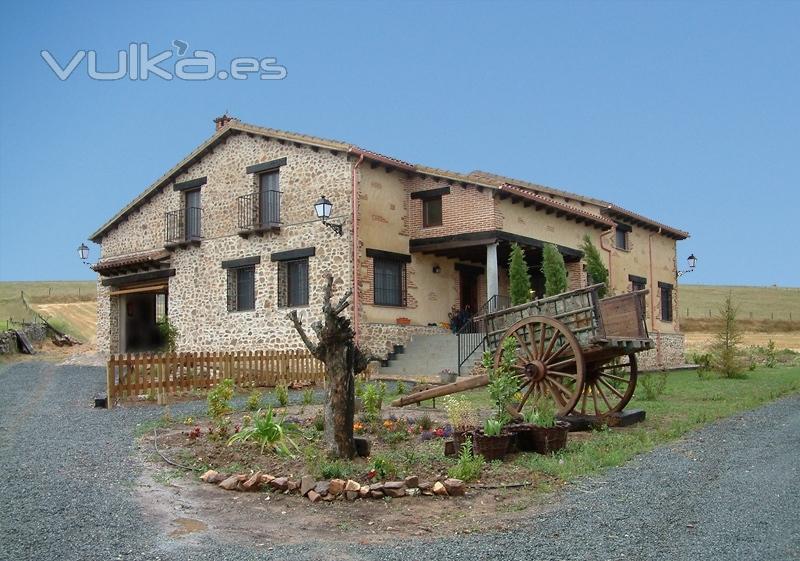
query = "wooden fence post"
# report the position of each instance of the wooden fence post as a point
(110, 382)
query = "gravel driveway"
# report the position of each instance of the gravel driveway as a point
(730, 491)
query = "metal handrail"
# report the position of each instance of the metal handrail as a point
(472, 335)
(183, 224)
(259, 210)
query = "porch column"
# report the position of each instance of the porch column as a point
(492, 283)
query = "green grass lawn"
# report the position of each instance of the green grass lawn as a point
(687, 403)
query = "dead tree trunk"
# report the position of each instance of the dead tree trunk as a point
(343, 360)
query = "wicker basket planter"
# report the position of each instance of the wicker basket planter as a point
(543, 440)
(490, 447)
(520, 437)
(461, 436)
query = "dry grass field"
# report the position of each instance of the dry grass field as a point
(68, 304)
(77, 318)
(699, 308)
(697, 301)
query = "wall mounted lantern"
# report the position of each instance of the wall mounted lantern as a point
(692, 261)
(323, 208)
(83, 252)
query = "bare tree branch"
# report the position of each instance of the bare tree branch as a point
(343, 302)
(298, 325)
(317, 328)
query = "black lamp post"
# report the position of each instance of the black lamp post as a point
(692, 261)
(323, 208)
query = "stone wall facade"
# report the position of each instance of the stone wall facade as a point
(8, 339)
(197, 293)
(388, 218)
(379, 338)
(669, 352)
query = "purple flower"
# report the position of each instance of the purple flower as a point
(426, 435)
(393, 418)
(448, 431)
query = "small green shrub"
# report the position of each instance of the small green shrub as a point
(468, 467)
(653, 385)
(395, 437)
(308, 396)
(554, 270)
(253, 401)
(319, 422)
(266, 430)
(372, 396)
(772, 355)
(425, 422)
(384, 466)
(169, 334)
(282, 394)
(460, 412)
(401, 388)
(503, 383)
(219, 399)
(334, 469)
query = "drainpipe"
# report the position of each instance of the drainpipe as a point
(356, 252)
(607, 250)
(653, 297)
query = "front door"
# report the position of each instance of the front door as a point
(468, 291)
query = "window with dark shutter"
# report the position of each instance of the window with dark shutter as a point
(293, 283)
(621, 241)
(637, 283)
(432, 212)
(666, 301)
(241, 289)
(389, 282)
(269, 199)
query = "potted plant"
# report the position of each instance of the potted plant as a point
(462, 418)
(492, 441)
(447, 376)
(544, 433)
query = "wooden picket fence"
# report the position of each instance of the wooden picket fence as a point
(163, 374)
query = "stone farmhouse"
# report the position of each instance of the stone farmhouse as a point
(227, 242)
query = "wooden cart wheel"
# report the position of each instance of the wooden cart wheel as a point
(549, 362)
(609, 386)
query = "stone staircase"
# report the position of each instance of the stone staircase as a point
(427, 355)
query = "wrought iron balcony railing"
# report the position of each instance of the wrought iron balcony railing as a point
(183, 226)
(259, 212)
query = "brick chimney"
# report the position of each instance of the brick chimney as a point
(223, 120)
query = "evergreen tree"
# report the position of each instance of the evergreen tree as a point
(594, 265)
(519, 277)
(727, 355)
(554, 270)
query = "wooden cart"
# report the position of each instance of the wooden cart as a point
(574, 348)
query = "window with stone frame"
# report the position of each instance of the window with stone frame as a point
(389, 283)
(293, 283)
(665, 290)
(637, 283)
(621, 240)
(241, 288)
(432, 212)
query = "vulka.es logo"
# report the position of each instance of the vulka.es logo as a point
(136, 63)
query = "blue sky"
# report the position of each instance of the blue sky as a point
(685, 112)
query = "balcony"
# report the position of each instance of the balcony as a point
(183, 227)
(259, 212)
